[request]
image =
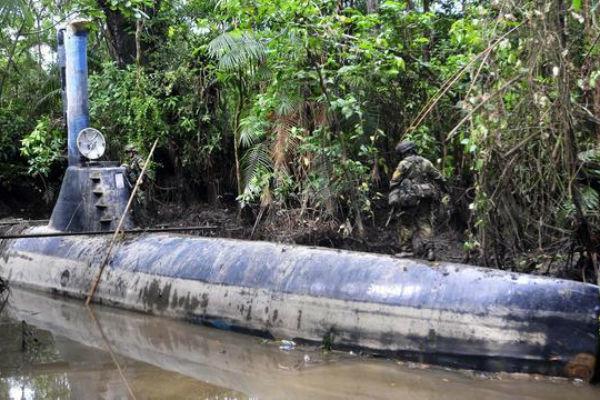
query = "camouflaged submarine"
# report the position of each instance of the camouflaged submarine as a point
(441, 313)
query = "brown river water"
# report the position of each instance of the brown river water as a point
(53, 348)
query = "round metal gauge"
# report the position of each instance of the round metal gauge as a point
(91, 143)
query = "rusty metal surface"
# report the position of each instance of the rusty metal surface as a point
(444, 313)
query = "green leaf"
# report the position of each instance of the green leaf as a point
(400, 64)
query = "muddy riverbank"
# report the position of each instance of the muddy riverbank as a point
(55, 348)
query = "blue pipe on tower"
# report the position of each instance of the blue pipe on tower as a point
(60, 38)
(78, 116)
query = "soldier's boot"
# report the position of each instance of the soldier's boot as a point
(423, 238)
(406, 233)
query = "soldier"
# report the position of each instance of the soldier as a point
(415, 192)
(134, 165)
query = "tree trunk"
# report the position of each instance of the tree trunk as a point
(236, 133)
(427, 50)
(120, 35)
(372, 6)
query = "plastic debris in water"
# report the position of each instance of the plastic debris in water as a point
(287, 345)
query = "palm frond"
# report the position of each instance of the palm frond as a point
(254, 161)
(288, 101)
(236, 50)
(252, 130)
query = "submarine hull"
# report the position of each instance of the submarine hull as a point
(441, 313)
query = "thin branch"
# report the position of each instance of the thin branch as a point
(477, 107)
(430, 105)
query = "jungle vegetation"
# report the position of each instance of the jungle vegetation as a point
(297, 105)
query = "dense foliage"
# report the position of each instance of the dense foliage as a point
(297, 104)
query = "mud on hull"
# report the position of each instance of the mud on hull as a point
(440, 313)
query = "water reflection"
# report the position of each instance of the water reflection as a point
(59, 351)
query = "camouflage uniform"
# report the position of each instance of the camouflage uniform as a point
(414, 191)
(134, 166)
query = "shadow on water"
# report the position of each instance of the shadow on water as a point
(54, 348)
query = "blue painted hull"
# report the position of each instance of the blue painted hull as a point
(443, 313)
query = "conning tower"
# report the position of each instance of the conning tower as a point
(94, 193)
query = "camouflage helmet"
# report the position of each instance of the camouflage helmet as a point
(405, 147)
